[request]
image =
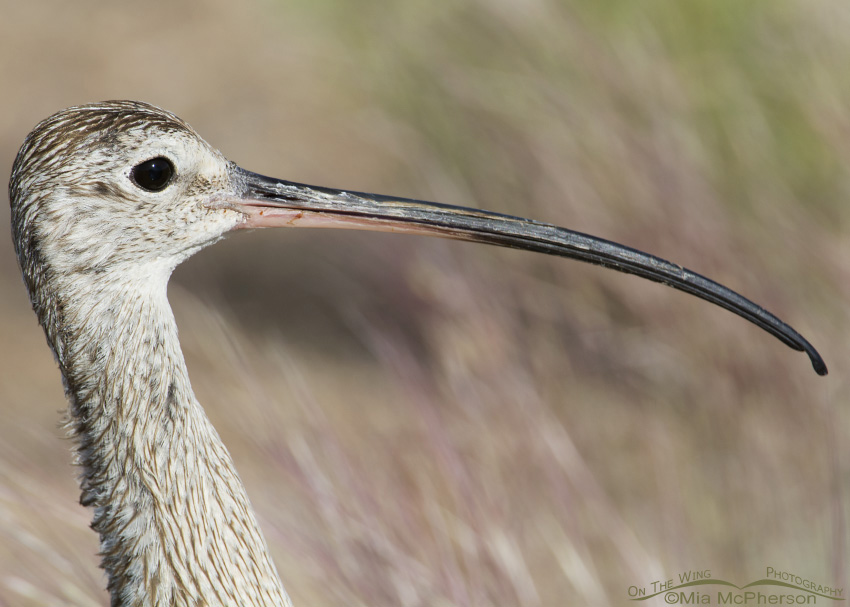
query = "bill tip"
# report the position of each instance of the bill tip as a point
(818, 364)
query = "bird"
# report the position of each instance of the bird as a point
(106, 200)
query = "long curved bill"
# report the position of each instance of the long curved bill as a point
(269, 202)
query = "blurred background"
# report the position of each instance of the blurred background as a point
(423, 422)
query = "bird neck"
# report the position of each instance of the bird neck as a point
(175, 522)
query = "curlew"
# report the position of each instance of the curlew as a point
(106, 200)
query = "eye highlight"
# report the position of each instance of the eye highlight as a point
(153, 175)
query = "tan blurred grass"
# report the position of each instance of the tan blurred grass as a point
(421, 422)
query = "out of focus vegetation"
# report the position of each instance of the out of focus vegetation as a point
(431, 423)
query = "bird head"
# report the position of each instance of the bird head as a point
(116, 187)
(124, 191)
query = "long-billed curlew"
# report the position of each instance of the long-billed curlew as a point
(106, 200)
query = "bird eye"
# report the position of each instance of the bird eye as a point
(153, 175)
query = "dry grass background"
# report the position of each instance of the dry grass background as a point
(430, 423)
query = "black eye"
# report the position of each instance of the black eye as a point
(153, 175)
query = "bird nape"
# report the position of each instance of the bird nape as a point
(106, 200)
